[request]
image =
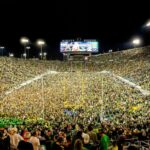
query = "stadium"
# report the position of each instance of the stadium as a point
(74, 75)
(109, 91)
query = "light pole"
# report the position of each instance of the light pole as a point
(28, 48)
(24, 41)
(2, 48)
(44, 54)
(41, 43)
(25, 55)
(43, 98)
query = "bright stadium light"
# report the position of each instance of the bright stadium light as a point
(24, 41)
(44, 53)
(24, 55)
(41, 43)
(136, 42)
(148, 24)
(11, 55)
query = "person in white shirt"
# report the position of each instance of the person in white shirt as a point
(35, 141)
(15, 138)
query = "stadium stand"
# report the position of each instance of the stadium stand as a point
(58, 99)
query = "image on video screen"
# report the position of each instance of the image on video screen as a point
(85, 46)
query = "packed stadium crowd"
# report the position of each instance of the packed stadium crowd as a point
(78, 106)
(102, 136)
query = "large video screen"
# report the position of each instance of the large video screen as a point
(79, 46)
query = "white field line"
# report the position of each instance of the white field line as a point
(131, 84)
(29, 81)
(144, 92)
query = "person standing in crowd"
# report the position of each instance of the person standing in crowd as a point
(104, 141)
(15, 138)
(68, 144)
(6, 139)
(58, 145)
(115, 146)
(86, 141)
(35, 141)
(92, 134)
(2, 146)
(79, 145)
(25, 144)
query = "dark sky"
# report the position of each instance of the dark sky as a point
(112, 23)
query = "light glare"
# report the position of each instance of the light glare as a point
(11, 55)
(2, 47)
(40, 42)
(44, 53)
(28, 47)
(148, 24)
(24, 40)
(136, 41)
(24, 54)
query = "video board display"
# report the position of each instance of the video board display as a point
(79, 46)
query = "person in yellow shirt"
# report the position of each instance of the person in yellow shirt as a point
(115, 146)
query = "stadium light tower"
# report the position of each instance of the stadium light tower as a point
(24, 41)
(2, 48)
(41, 43)
(44, 54)
(28, 48)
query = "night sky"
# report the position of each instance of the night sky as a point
(113, 24)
